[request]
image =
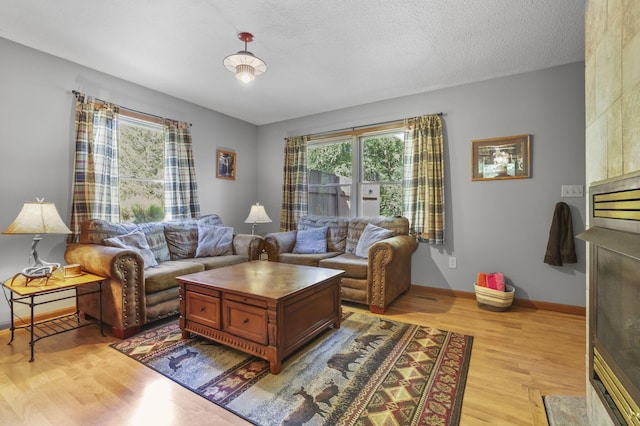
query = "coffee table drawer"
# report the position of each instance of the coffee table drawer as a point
(246, 321)
(203, 309)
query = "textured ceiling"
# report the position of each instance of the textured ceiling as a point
(321, 55)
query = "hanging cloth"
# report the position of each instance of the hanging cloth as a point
(561, 246)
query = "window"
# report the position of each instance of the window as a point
(356, 174)
(149, 159)
(141, 170)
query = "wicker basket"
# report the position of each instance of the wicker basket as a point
(494, 300)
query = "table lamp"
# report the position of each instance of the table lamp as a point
(257, 215)
(38, 218)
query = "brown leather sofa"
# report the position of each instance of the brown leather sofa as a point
(134, 296)
(376, 280)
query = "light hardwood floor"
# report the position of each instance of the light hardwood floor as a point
(77, 379)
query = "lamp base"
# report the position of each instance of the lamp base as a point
(40, 268)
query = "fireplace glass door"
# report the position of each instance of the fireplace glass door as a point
(618, 315)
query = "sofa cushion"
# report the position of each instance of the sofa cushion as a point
(336, 230)
(154, 232)
(214, 240)
(135, 241)
(306, 259)
(164, 276)
(182, 238)
(182, 235)
(371, 235)
(399, 226)
(217, 261)
(352, 265)
(95, 231)
(310, 241)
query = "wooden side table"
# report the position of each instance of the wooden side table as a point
(27, 294)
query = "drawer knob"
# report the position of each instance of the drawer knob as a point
(202, 309)
(246, 320)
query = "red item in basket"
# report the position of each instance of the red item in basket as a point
(482, 279)
(495, 281)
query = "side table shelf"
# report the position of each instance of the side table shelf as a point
(27, 294)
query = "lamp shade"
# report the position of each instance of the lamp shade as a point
(245, 64)
(258, 215)
(38, 218)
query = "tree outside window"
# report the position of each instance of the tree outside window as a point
(141, 170)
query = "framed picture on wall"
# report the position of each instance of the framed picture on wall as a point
(501, 158)
(226, 164)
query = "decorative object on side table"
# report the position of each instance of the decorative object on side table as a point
(37, 218)
(257, 214)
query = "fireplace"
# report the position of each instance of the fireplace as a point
(614, 297)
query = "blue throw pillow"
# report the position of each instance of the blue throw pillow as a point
(311, 241)
(371, 235)
(135, 241)
(214, 240)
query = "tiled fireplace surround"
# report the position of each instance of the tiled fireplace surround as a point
(612, 108)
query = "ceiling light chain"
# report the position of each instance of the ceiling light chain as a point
(245, 64)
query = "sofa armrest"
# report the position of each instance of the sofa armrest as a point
(247, 245)
(123, 292)
(389, 269)
(279, 242)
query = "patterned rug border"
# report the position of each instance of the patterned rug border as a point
(169, 325)
(161, 325)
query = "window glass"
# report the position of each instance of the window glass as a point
(366, 184)
(382, 156)
(141, 170)
(330, 162)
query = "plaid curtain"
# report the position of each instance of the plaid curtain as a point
(423, 182)
(95, 183)
(294, 188)
(180, 186)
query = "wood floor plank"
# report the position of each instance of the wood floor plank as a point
(538, 412)
(77, 379)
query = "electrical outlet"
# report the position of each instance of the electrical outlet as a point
(453, 262)
(572, 191)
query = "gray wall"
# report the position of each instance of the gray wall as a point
(36, 145)
(491, 225)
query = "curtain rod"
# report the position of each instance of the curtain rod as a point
(367, 125)
(76, 93)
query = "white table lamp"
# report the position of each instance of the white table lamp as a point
(257, 215)
(38, 218)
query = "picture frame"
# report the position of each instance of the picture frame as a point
(501, 158)
(226, 163)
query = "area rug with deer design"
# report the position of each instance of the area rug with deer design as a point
(369, 371)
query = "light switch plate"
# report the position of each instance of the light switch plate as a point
(572, 191)
(453, 262)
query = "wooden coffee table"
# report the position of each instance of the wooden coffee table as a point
(267, 309)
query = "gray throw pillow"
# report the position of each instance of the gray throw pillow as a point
(135, 241)
(214, 240)
(154, 232)
(311, 241)
(371, 235)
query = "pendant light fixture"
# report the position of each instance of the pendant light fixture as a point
(245, 64)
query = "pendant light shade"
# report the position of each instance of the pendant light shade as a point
(245, 64)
